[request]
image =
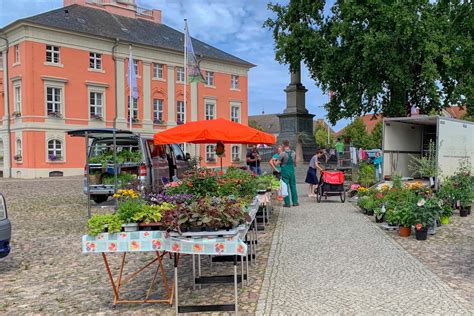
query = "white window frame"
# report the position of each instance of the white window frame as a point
(210, 78)
(238, 106)
(210, 111)
(136, 67)
(17, 97)
(58, 147)
(210, 152)
(17, 54)
(56, 104)
(180, 112)
(54, 53)
(134, 110)
(234, 82)
(95, 61)
(180, 74)
(157, 110)
(158, 71)
(237, 154)
(95, 92)
(19, 148)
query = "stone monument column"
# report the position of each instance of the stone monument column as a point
(296, 124)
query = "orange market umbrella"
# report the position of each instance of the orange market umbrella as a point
(213, 131)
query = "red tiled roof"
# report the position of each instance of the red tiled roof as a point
(370, 120)
(456, 111)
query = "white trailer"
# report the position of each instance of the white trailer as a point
(404, 137)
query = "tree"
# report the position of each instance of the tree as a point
(380, 56)
(321, 136)
(376, 136)
(357, 132)
(254, 124)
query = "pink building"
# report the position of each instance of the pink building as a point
(67, 69)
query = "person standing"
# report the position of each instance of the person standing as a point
(288, 163)
(253, 160)
(311, 176)
(275, 162)
(339, 151)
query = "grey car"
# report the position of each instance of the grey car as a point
(5, 229)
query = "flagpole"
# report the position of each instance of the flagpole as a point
(185, 71)
(130, 111)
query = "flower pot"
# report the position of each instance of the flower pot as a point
(150, 226)
(130, 227)
(444, 220)
(261, 192)
(379, 219)
(195, 229)
(422, 233)
(404, 231)
(370, 212)
(463, 212)
(468, 210)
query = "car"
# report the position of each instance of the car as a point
(5, 229)
(137, 157)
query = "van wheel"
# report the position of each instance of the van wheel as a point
(99, 198)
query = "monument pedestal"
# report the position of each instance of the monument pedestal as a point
(296, 120)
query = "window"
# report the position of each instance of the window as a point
(209, 78)
(180, 112)
(234, 82)
(19, 151)
(55, 149)
(210, 111)
(135, 66)
(17, 99)
(210, 153)
(157, 71)
(96, 105)
(17, 53)
(235, 151)
(95, 61)
(235, 114)
(134, 110)
(52, 54)
(53, 100)
(157, 111)
(180, 74)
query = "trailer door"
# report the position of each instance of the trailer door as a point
(455, 142)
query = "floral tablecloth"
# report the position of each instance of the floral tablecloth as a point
(141, 241)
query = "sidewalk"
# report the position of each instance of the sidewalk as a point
(327, 258)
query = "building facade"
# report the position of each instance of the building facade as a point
(67, 69)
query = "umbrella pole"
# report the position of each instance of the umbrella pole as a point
(221, 162)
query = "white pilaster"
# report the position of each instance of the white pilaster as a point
(6, 137)
(147, 122)
(171, 100)
(120, 93)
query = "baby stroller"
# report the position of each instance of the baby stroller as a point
(331, 183)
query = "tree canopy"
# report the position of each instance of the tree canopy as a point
(321, 136)
(381, 56)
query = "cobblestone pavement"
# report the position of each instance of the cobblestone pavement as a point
(328, 258)
(46, 272)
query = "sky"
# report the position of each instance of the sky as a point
(234, 26)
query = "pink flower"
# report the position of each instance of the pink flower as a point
(421, 202)
(418, 226)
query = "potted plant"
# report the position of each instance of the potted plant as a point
(446, 212)
(425, 166)
(150, 215)
(406, 219)
(97, 117)
(55, 114)
(129, 204)
(424, 214)
(99, 223)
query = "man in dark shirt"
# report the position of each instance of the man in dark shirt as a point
(253, 160)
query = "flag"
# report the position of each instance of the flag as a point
(132, 77)
(194, 73)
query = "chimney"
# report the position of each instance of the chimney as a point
(126, 8)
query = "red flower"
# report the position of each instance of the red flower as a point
(418, 226)
(253, 175)
(156, 244)
(219, 248)
(112, 246)
(220, 173)
(176, 247)
(189, 183)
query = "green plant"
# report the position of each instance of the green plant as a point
(96, 224)
(462, 182)
(425, 210)
(366, 175)
(391, 217)
(128, 208)
(425, 166)
(405, 215)
(152, 213)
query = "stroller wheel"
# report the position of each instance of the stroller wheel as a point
(343, 196)
(318, 194)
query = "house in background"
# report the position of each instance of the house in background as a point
(67, 69)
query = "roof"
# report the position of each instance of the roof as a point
(369, 121)
(456, 112)
(269, 123)
(101, 133)
(424, 119)
(101, 23)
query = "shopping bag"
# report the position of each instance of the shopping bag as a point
(283, 188)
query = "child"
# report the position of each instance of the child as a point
(311, 177)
